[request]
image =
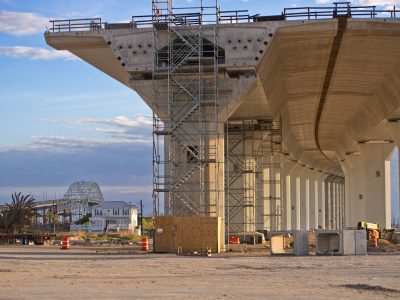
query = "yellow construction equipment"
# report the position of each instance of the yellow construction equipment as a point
(369, 227)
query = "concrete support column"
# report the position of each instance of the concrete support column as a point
(304, 199)
(342, 203)
(277, 173)
(394, 129)
(328, 198)
(307, 196)
(368, 192)
(337, 204)
(287, 179)
(321, 194)
(330, 201)
(313, 201)
(249, 197)
(249, 184)
(266, 197)
(355, 208)
(296, 191)
(377, 167)
(271, 214)
(215, 173)
(334, 204)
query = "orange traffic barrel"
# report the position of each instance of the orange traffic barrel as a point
(144, 243)
(374, 238)
(65, 242)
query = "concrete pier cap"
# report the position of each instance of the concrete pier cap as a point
(332, 80)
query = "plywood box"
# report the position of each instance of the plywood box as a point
(187, 234)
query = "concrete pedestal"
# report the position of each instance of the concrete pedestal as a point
(292, 242)
(341, 242)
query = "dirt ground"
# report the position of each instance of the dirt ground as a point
(46, 272)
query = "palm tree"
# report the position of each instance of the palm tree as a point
(19, 213)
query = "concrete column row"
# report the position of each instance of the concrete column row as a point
(311, 199)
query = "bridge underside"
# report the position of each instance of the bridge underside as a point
(332, 86)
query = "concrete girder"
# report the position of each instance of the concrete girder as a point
(346, 86)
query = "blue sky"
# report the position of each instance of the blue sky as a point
(61, 120)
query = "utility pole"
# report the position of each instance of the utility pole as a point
(54, 209)
(141, 217)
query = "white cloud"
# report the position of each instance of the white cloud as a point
(35, 53)
(378, 2)
(114, 133)
(117, 132)
(22, 23)
(134, 131)
(63, 144)
(120, 121)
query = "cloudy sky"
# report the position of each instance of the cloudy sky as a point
(62, 120)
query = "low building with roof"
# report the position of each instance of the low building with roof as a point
(113, 216)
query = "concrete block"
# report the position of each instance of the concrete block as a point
(328, 242)
(348, 242)
(341, 242)
(236, 247)
(361, 242)
(293, 242)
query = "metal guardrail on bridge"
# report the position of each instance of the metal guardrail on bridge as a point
(349, 11)
(76, 25)
(190, 18)
(339, 9)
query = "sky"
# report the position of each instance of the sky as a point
(62, 120)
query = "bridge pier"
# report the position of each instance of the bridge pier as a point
(368, 192)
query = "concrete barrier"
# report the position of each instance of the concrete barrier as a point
(341, 242)
(292, 242)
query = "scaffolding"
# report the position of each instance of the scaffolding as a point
(185, 119)
(189, 91)
(269, 154)
(251, 149)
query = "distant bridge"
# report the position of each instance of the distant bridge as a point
(76, 202)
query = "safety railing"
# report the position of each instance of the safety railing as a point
(234, 16)
(188, 18)
(340, 9)
(311, 13)
(76, 25)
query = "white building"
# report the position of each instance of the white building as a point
(113, 216)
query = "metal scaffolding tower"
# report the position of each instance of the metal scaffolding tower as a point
(189, 92)
(185, 127)
(269, 151)
(250, 148)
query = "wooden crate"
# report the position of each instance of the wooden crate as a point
(189, 234)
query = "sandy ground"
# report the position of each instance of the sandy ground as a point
(46, 272)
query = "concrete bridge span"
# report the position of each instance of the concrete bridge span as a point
(331, 85)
